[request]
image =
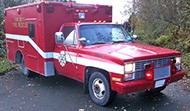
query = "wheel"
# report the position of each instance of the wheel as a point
(99, 89)
(156, 90)
(25, 70)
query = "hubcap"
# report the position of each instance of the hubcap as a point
(98, 88)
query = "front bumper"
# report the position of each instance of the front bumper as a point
(139, 85)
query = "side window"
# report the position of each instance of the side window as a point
(70, 35)
(31, 30)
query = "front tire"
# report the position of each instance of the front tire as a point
(99, 89)
(25, 70)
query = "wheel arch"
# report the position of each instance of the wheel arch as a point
(87, 74)
(18, 57)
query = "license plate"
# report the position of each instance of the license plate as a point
(161, 73)
(160, 83)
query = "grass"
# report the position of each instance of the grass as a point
(5, 65)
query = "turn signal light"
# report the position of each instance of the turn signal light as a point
(116, 79)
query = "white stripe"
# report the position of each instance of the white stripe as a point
(68, 59)
(45, 55)
(102, 65)
(119, 69)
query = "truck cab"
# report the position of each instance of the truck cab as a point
(107, 59)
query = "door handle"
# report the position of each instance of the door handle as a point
(58, 46)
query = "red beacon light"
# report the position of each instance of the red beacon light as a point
(149, 75)
(46, 2)
(70, 4)
(95, 8)
(149, 71)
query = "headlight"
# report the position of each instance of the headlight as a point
(178, 63)
(178, 60)
(129, 67)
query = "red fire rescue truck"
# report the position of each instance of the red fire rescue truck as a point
(88, 48)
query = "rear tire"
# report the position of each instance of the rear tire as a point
(25, 70)
(99, 89)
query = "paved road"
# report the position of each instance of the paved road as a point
(18, 93)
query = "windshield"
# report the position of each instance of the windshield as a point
(103, 34)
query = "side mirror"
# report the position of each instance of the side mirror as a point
(134, 36)
(82, 41)
(59, 37)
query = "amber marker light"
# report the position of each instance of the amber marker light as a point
(18, 10)
(38, 8)
(116, 79)
(79, 22)
(5, 13)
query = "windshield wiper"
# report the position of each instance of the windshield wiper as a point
(122, 41)
(98, 43)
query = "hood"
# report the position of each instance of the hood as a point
(130, 51)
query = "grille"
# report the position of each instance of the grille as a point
(139, 66)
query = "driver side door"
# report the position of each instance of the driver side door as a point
(67, 53)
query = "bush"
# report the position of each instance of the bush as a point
(163, 40)
(2, 46)
(166, 35)
(5, 65)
